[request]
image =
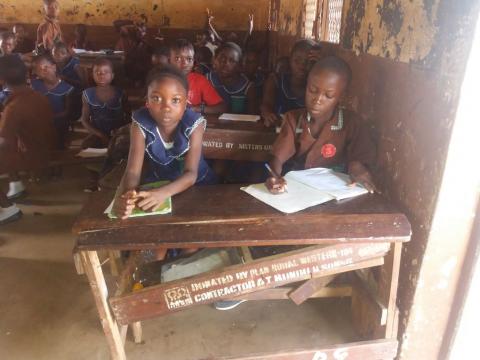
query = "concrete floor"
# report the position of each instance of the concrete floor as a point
(47, 311)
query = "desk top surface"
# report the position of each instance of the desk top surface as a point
(223, 215)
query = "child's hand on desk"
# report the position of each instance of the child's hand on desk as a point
(269, 119)
(276, 185)
(359, 174)
(151, 200)
(124, 204)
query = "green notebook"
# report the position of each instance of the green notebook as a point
(165, 208)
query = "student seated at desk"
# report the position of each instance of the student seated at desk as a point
(202, 96)
(56, 90)
(103, 109)
(24, 44)
(285, 91)
(81, 41)
(27, 134)
(169, 135)
(323, 134)
(234, 87)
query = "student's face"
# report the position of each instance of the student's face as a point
(166, 101)
(183, 59)
(159, 60)
(103, 75)
(299, 64)
(227, 62)
(60, 55)
(250, 63)
(52, 9)
(44, 69)
(7, 45)
(324, 91)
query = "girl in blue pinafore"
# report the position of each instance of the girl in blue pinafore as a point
(69, 71)
(234, 87)
(103, 106)
(56, 90)
(168, 135)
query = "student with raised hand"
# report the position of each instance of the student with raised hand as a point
(58, 92)
(27, 134)
(202, 96)
(168, 135)
(324, 134)
(49, 31)
(231, 84)
(286, 91)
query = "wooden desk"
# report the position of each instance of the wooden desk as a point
(349, 235)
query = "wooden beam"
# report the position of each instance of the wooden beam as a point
(281, 293)
(98, 285)
(242, 279)
(365, 350)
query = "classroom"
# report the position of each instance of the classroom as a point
(239, 179)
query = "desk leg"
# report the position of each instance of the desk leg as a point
(98, 285)
(388, 286)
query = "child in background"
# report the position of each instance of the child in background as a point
(160, 56)
(81, 41)
(329, 135)
(233, 86)
(103, 106)
(169, 135)
(56, 90)
(7, 44)
(203, 60)
(251, 68)
(202, 97)
(49, 32)
(27, 134)
(25, 45)
(286, 91)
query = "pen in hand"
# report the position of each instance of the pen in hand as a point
(276, 176)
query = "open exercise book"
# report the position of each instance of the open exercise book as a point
(166, 207)
(307, 188)
(239, 117)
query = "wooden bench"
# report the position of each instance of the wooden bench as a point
(362, 233)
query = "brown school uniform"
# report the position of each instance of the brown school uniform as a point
(48, 33)
(27, 125)
(332, 148)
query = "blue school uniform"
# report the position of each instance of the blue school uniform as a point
(105, 116)
(4, 94)
(166, 160)
(69, 74)
(68, 71)
(284, 99)
(235, 96)
(258, 82)
(58, 99)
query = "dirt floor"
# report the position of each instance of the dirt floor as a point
(47, 310)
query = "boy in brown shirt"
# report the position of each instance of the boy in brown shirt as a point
(27, 134)
(49, 32)
(323, 134)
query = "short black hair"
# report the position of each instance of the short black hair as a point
(13, 70)
(303, 44)
(45, 56)
(161, 51)
(102, 61)
(204, 54)
(167, 71)
(334, 64)
(7, 35)
(181, 44)
(229, 45)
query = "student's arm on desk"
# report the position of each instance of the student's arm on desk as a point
(126, 195)
(276, 185)
(152, 199)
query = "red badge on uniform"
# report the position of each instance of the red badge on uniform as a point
(329, 150)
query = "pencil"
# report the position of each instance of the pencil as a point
(274, 174)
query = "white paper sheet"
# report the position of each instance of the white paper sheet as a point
(298, 197)
(239, 117)
(92, 153)
(336, 184)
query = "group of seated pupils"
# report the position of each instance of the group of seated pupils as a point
(43, 96)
